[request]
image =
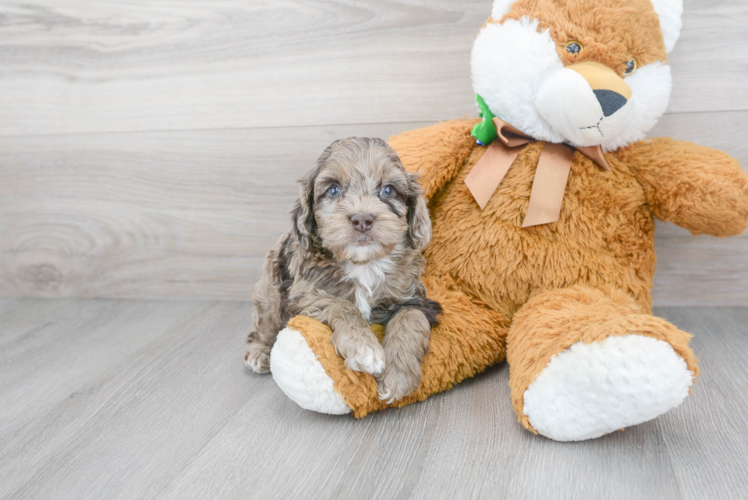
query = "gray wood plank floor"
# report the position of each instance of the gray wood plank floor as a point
(150, 399)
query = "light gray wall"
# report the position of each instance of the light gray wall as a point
(150, 148)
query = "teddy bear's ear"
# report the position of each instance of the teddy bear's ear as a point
(669, 12)
(500, 7)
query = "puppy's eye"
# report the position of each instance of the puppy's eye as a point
(387, 192)
(334, 192)
(574, 47)
(630, 68)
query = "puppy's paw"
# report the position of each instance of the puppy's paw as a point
(257, 359)
(394, 384)
(367, 357)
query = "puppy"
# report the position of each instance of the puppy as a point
(353, 258)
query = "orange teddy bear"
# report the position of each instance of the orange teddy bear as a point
(543, 239)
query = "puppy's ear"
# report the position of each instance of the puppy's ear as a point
(419, 221)
(304, 224)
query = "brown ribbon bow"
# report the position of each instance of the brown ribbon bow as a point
(550, 176)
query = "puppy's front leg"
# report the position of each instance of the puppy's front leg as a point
(406, 341)
(267, 317)
(359, 347)
(351, 335)
(257, 352)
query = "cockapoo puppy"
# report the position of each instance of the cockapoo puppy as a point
(353, 258)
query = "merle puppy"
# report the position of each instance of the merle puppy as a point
(353, 258)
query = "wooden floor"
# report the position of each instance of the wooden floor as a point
(150, 399)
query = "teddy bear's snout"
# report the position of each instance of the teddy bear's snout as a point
(587, 103)
(609, 100)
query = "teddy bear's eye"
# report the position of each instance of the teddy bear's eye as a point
(573, 47)
(630, 67)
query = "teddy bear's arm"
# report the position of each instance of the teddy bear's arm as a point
(695, 187)
(435, 153)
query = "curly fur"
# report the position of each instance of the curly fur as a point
(328, 270)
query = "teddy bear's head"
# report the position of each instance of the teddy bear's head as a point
(584, 72)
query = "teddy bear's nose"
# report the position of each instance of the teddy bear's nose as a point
(609, 100)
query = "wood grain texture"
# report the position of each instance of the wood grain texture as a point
(191, 214)
(137, 399)
(149, 149)
(172, 214)
(92, 66)
(97, 365)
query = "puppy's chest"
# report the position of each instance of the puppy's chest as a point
(368, 282)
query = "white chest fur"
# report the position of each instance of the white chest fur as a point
(368, 279)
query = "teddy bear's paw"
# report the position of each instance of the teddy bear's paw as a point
(590, 390)
(300, 375)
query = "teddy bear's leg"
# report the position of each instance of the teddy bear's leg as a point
(468, 339)
(298, 371)
(585, 362)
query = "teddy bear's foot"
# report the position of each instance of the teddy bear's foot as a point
(593, 389)
(300, 375)
(585, 362)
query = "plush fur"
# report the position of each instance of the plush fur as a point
(669, 13)
(299, 373)
(499, 8)
(556, 298)
(522, 84)
(570, 401)
(509, 81)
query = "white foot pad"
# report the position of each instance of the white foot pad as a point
(593, 389)
(300, 375)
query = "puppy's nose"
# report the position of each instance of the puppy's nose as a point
(362, 222)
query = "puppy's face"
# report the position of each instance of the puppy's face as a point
(363, 202)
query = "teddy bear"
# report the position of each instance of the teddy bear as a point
(543, 225)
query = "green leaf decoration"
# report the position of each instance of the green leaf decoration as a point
(485, 131)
